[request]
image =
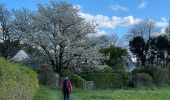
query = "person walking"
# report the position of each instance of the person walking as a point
(66, 88)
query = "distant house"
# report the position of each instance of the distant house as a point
(129, 65)
(17, 55)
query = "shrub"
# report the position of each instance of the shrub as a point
(107, 70)
(107, 80)
(47, 76)
(125, 77)
(76, 80)
(138, 70)
(141, 80)
(160, 75)
(16, 83)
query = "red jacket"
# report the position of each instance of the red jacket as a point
(70, 88)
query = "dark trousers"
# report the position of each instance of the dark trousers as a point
(66, 95)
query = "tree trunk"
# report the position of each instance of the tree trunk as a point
(58, 66)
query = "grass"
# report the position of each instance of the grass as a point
(163, 93)
(46, 93)
(131, 94)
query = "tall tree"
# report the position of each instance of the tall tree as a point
(158, 51)
(60, 34)
(5, 16)
(21, 24)
(139, 48)
(144, 28)
(105, 41)
(115, 56)
(13, 27)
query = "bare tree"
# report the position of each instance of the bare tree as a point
(105, 41)
(14, 24)
(144, 28)
(21, 24)
(4, 23)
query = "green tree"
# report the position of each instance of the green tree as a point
(115, 56)
(158, 51)
(139, 48)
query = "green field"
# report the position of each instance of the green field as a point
(120, 94)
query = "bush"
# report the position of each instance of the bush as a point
(141, 80)
(138, 70)
(77, 81)
(16, 83)
(168, 67)
(107, 70)
(47, 76)
(160, 75)
(108, 80)
(125, 77)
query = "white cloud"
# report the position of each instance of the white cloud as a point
(117, 7)
(143, 4)
(106, 22)
(163, 19)
(99, 33)
(161, 24)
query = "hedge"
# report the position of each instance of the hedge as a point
(16, 82)
(77, 81)
(141, 80)
(160, 75)
(108, 80)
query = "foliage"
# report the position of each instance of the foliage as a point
(159, 50)
(55, 34)
(115, 56)
(139, 48)
(107, 80)
(154, 51)
(141, 79)
(107, 70)
(138, 70)
(76, 80)
(168, 67)
(61, 36)
(160, 75)
(16, 82)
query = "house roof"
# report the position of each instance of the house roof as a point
(21, 55)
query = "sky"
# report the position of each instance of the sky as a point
(112, 16)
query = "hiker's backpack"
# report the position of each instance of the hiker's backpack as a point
(66, 85)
